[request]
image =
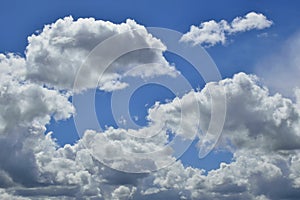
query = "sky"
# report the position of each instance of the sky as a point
(150, 99)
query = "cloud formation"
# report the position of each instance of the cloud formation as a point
(211, 32)
(261, 130)
(55, 55)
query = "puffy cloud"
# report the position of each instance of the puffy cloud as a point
(262, 158)
(257, 119)
(23, 103)
(262, 131)
(64, 48)
(208, 33)
(117, 149)
(211, 33)
(31, 163)
(250, 21)
(254, 117)
(14, 65)
(25, 110)
(122, 192)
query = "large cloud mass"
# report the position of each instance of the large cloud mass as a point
(261, 130)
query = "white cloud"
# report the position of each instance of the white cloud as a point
(208, 33)
(250, 21)
(117, 149)
(253, 115)
(123, 192)
(22, 102)
(261, 130)
(262, 159)
(56, 54)
(211, 33)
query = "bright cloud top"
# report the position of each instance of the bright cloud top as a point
(211, 32)
(56, 54)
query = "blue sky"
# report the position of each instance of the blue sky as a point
(246, 51)
(21, 19)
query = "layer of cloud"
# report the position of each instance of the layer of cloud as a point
(261, 130)
(211, 32)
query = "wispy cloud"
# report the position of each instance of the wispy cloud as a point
(280, 70)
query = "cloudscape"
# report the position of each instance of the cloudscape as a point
(145, 100)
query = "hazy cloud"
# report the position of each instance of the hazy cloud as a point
(280, 71)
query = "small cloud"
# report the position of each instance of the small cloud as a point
(263, 35)
(122, 121)
(211, 32)
(136, 118)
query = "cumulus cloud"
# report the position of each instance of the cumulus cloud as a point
(56, 55)
(253, 115)
(211, 32)
(261, 130)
